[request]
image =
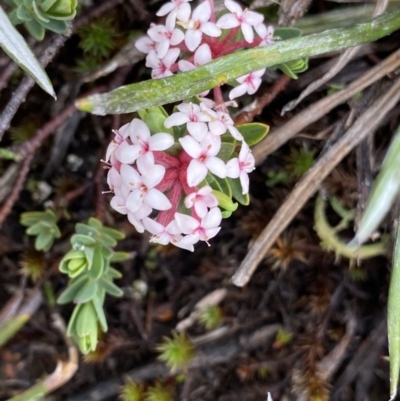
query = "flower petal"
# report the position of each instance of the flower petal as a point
(190, 146)
(244, 182)
(228, 21)
(216, 166)
(157, 200)
(193, 39)
(212, 219)
(197, 130)
(232, 168)
(160, 141)
(187, 224)
(196, 173)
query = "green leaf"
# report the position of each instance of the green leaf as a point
(117, 235)
(29, 218)
(110, 287)
(237, 191)
(55, 26)
(86, 292)
(15, 46)
(44, 241)
(95, 223)
(82, 240)
(86, 321)
(100, 313)
(120, 257)
(158, 91)
(394, 319)
(69, 294)
(224, 185)
(253, 132)
(155, 122)
(212, 182)
(9, 154)
(226, 151)
(225, 201)
(97, 267)
(23, 14)
(384, 191)
(89, 254)
(36, 229)
(35, 29)
(287, 33)
(113, 273)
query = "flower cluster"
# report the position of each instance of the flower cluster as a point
(199, 37)
(149, 172)
(176, 175)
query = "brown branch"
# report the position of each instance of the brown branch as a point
(319, 109)
(255, 108)
(310, 182)
(13, 197)
(26, 84)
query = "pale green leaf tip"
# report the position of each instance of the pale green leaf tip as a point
(84, 104)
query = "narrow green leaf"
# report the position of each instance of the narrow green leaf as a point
(11, 327)
(159, 91)
(35, 229)
(87, 292)
(97, 267)
(44, 241)
(213, 183)
(394, 319)
(253, 132)
(69, 294)
(110, 287)
(100, 313)
(95, 223)
(86, 321)
(82, 240)
(15, 46)
(120, 257)
(237, 191)
(117, 235)
(383, 194)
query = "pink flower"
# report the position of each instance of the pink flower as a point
(240, 166)
(196, 230)
(162, 68)
(118, 201)
(244, 18)
(201, 200)
(143, 188)
(180, 8)
(165, 36)
(204, 158)
(143, 144)
(199, 24)
(248, 83)
(266, 34)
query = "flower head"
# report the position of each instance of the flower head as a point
(238, 17)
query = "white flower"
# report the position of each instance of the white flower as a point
(165, 36)
(199, 24)
(220, 123)
(143, 188)
(136, 218)
(162, 68)
(237, 17)
(202, 230)
(201, 200)
(161, 234)
(248, 84)
(240, 166)
(145, 44)
(266, 34)
(180, 8)
(118, 201)
(201, 56)
(204, 158)
(143, 144)
(193, 116)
